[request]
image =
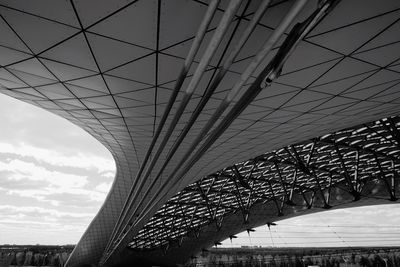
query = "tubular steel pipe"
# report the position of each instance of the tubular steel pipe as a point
(210, 90)
(181, 78)
(268, 45)
(263, 80)
(211, 49)
(269, 73)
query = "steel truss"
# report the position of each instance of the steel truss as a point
(310, 174)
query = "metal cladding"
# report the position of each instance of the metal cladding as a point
(184, 92)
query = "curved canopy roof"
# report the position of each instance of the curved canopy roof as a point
(111, 68)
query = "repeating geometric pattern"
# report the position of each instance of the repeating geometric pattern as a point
(353, 167)
(110, 67)
(323, 172)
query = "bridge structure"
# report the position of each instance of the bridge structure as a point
(220, 115)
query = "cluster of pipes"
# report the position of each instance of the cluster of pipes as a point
(130, 216)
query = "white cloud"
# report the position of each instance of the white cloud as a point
(48, 183)
(30, 224)
(29, 210)
(51, 176)
(27, 170)
(42, 219)
(47, 193)
(110, 175)
(103, 187)
(78, 160)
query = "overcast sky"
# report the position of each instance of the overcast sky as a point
(54, 178)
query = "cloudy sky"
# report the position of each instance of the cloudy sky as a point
(54, 178)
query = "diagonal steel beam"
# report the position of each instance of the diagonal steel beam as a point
(382, 176)
(239, 199)
(346, 175)
(274, 198)
(287, 197)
